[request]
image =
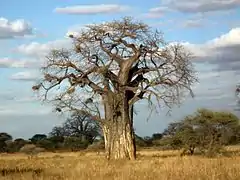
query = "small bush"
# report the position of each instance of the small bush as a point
(96, 146)
(75, 143)
(31, 149)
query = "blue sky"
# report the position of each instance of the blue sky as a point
(28, 29)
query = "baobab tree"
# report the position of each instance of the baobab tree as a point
(109, 68)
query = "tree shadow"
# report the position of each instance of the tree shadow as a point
(14, 171)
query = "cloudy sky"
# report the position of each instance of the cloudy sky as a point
(28, 30)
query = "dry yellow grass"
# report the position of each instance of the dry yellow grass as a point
(151, 165)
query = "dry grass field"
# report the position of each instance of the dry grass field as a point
(150, 165)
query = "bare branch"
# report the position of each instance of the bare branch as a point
(120, 57)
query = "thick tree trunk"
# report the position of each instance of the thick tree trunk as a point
(133, 132)
(119, 143)
(118, 129)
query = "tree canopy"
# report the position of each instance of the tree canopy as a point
(78, 125)
(117, 56)
(205, 130)
(109, 68)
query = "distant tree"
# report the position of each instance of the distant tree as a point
(215, 128)
(57, 142)
(75, 143)
(56, 139)
(206, 130)
(172, 129)
(59, 131)
(157, 136)
(4, 137)
(20, 140)
(188, 138)
(38, 137)
(148, 140)
(96, 146)
(79, 125)
(236, 138)
(16, 145)
(31, 150)
(46, 144)
(140, 142)
(82, 126)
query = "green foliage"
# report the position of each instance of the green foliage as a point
(56, 139)
(77, 125)
(46, 144)
(173, 128)
(4, 137)
(31, 149)
(15, 145)
(75, 143)
(148, 141)
(3, 146)
(97, 145)
(37, 137)
(235, 139)
(173, 142)
(214, 129)
(57, 142)
(140, 142)
(157, 136)
(205, 130)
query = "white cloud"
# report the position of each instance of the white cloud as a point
(39, 50)
(193, 23)
(218, 66)
(26, 99)
(14, 29)
(19, 109)
(201, 6)
(25, 76)
(156, 12)
(12, 63)
(221, 55)
(231, 38)
(35, 53)
(22, 101)
(19, 95)
(218, 47)
(215, 51)
(92, 9)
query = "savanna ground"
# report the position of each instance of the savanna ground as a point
(151, 164)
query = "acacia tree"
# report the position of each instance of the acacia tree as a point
(78, 125)
(213, 129)
(110, 67)
(59, 131)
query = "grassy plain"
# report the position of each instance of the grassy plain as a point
(150, 165)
